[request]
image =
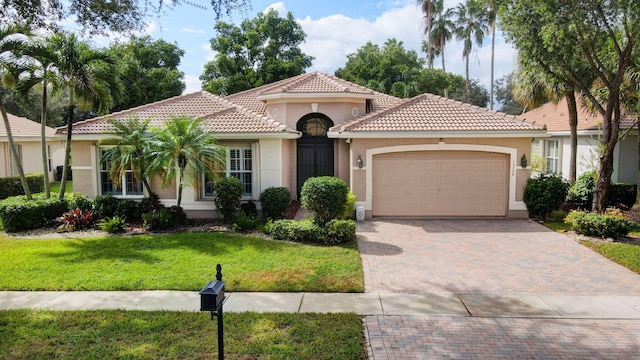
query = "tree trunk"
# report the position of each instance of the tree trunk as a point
(43, 141)
(67, 150)
(14, 153)
(610, 132)
(180, 187)
(429, 48)
(468, 84)
(442, 50)
(493, 50)
(573, 124)
(637, 204)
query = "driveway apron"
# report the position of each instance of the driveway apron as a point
(496, 259)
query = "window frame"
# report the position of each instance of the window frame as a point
(552, 157)
(123, 180)
(243, 161)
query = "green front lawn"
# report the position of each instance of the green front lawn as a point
(181, 261)
(54, 187)
(116, 334)
(626, 255)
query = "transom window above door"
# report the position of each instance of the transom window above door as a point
(315, 126)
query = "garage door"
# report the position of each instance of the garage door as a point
(440, 183)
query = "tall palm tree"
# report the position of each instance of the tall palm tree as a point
(443, 28)
(184, 150)
(427, 9)
(12, 39)
(131, 151)
(88, 75)
(492, 16)
(471, 21)
(42, 71)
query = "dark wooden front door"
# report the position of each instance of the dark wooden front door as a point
(315, 149)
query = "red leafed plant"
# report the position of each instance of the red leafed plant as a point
(76, 219)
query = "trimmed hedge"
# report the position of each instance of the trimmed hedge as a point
(544, 193)
(307, 231)
(226, 195)
(599, 225)
(275, 202)
(10, 186)
(18, 214)
(326, 196)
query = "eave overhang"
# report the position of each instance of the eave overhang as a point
(431, 135)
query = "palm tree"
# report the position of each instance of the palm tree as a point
(11, 39)
(131, 151)
(184, 150)
(492, 12)
(470, 19)
(42, 71)
(443, 28)
(427, 9)
(88, 75)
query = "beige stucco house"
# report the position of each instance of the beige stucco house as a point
(553, 153)
(422, 157)
(26, 135)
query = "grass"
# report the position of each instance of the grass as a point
(117, 334)
(54, 187)
(181, 261)
(624, 254)
(557, 226)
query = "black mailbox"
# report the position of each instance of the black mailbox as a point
(212, 296)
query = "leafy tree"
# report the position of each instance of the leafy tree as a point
(10, 41)
(258, 52)
(478, 94)
(131, 151)
(184, 150)
(151, 70)
(98, 16)
(504, 95)
(380, 68)
(553, 35)
(88, 75)
(471, 21)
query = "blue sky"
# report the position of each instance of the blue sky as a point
(334, 29)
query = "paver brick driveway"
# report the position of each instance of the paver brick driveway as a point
(494, 257)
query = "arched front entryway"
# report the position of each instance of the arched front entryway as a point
(314, 148)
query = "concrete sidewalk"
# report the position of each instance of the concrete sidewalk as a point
(530, 306)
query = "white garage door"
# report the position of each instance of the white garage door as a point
(440, 183)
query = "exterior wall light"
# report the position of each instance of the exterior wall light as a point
(359, 161)
(523, 161)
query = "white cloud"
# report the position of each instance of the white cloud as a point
(193, 84)
(211, 55)
(192, 31)
(279, 7)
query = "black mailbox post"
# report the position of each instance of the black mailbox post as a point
(211, 299)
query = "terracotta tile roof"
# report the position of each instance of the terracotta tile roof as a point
(203, 105)
(432, 113)
(556, 117)
(312, 83)
(23, 127)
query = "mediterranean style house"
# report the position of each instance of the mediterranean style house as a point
(553, 152)
(427, 156)
(26, 135)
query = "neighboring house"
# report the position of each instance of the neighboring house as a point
(553, 154)
(422, 157)
(26, 135)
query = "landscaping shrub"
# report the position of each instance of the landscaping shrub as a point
(303, 231)
(18, 214)
(249, 209)
(226, 195)
(76, 219)
(350, 208)
(79, 201)
(245, 223)
(164, 218)
(622, 196)
(326, 196)
(128, 209)
(599, 225)
(11, 186)
(581, 192)
(557, 216)
(113, 225)
(275, 202)
(340, 232)
(544, 193)
(106, 205)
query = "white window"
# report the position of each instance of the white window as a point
(552, 156)
(240, 165)
(132, 187)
